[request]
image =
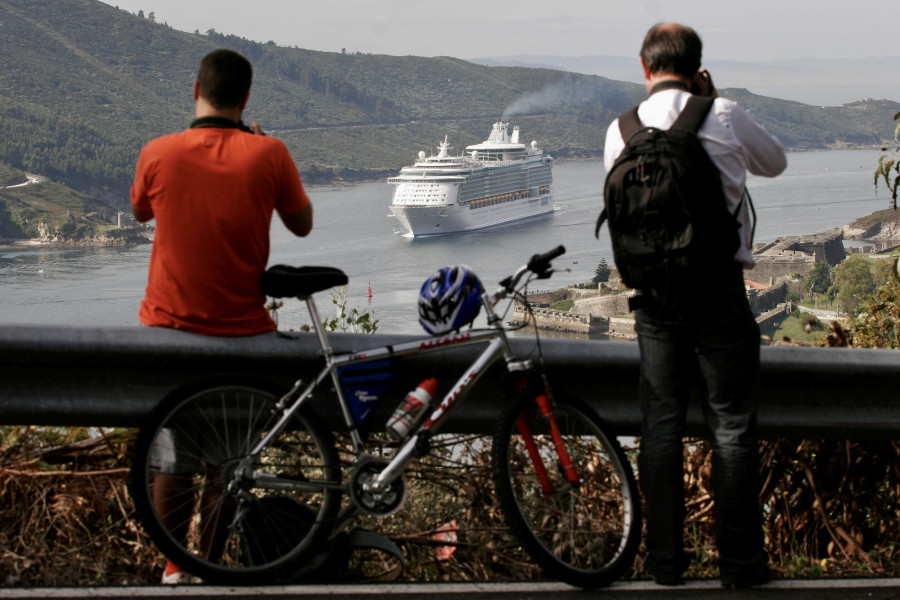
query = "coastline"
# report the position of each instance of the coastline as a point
(30, 244)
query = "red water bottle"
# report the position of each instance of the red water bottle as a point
(414, 407)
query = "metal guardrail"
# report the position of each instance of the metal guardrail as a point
(114, 376)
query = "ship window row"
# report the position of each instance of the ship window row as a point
(482, 189)
(498, 199)
(524, 178)
(419, 199)
(448, 179)
(499, 183)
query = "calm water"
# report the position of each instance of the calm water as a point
(103, 286)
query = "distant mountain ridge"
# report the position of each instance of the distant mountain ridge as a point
(83, 86)
(814, 81)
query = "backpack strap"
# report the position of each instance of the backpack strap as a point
(694, 113)
(600, 220)
(629, 123)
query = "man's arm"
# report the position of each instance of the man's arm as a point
(299, 223)
(141, 216)
(613, 146)
(764, 152)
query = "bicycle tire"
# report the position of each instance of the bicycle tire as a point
(585, 533)
(216, 425)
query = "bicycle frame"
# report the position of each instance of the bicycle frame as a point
(498, 347)
(563, 484)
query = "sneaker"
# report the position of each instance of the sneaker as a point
(173, 575)
(757, 575)
(178, 578)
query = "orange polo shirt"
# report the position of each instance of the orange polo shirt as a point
(212, 192)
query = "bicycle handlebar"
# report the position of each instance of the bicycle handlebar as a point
(539, 265)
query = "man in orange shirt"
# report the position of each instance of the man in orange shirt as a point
(212, 190)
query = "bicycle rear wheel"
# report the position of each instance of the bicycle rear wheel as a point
(183, 484)
(582, 527)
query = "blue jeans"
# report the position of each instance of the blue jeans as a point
(712, 342)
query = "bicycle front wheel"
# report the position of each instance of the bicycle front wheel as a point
(220, 513)
(567, 491)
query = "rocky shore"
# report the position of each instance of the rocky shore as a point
(132, 239)
(879, 226)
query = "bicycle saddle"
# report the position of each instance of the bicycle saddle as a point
(281, 281)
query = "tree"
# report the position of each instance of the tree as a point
(601, 273)
(818, 280)
(883, 270)
(853, 280)
(878, 323)
(889, 162)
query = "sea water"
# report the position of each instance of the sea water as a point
(102, 287)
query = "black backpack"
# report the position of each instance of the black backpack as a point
(668, 217)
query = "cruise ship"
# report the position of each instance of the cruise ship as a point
(494, 182)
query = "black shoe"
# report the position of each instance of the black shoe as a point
(758, 575)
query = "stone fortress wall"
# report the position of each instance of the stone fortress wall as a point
(607, 313)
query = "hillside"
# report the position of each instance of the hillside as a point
(880, 225)
(36, 208)
(84, 85)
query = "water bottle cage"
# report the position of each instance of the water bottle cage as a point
(423, 444)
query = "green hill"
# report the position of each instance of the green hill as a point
(83, 85)
(37, 208)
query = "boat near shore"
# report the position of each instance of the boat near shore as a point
(495, 182)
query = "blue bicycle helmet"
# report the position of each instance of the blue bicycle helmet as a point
(449, 299)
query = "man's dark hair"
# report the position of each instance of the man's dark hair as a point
(672, 48)
(224, 78)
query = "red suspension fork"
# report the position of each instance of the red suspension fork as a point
(528, 438)
(562, 453)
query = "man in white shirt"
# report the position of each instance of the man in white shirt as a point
(709, 339)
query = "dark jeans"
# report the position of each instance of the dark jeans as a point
(714, 343)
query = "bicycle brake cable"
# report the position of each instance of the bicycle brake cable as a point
(537, 337)
(530, 310)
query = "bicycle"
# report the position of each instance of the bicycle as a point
(240, 484)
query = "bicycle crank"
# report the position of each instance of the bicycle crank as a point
(378, 502)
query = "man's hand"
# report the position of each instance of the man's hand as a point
(703, 85)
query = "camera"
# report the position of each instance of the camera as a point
(703, 84)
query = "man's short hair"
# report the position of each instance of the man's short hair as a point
(672, 48)
(224, 78)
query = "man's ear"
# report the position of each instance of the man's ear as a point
(196, 90)
(244, 103)
(645, 68)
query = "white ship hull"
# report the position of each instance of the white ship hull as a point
(420, 221)
(499, 181)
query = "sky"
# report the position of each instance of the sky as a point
(746, 30)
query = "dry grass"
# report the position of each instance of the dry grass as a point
(831, 509)
(65, 513)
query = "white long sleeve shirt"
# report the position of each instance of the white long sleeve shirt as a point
(735, 143)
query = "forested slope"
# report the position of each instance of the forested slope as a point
(83, 85)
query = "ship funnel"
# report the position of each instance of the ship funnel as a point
(515, 135)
